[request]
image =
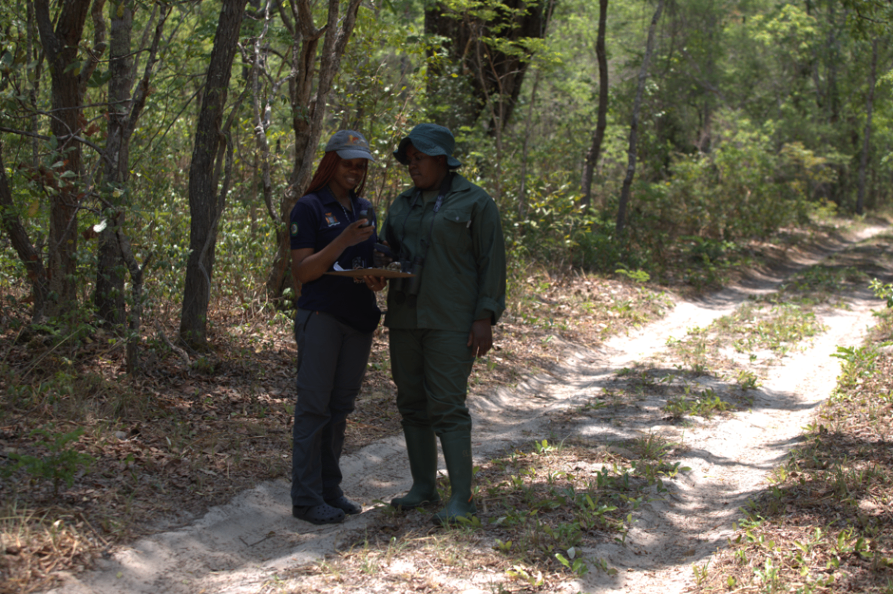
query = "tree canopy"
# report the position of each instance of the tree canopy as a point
(123, 127)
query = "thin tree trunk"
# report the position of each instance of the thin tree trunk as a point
(28, 254)
(308, 114)
(203, 177)
(494, 100)
(528, 125)
(602, 121)
(262, 114)
(109, 295)
(61, 48)
(132, 353)
(34, 92)
(634, 125)
(866, 138)
(835, 23)
(126, 104)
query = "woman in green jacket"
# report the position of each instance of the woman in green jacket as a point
(447, 231)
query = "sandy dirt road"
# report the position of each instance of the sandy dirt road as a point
(239, 547)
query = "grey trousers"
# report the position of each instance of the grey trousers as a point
(332, 359)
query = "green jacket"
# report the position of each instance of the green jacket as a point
(463, 278)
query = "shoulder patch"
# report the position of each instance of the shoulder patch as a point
(294, 229)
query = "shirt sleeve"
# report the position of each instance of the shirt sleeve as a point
(303, 226)
(489, 250)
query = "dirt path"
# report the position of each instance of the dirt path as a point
(239, 547)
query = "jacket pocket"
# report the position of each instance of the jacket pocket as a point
(454, 227)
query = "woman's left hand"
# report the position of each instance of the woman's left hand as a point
(480, 339)
(375, 283)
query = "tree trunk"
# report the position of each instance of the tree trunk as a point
(132, 353)
(204, 207)
(109, 296)
(602, 121)
(61, 49)
(124, 109)
(262, 114)
(307, 114)
(634, 125)
(866, 138)
(28, 254)
(34, 92)
(467, 31)
(522, 191)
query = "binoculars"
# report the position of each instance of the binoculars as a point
(409, 285)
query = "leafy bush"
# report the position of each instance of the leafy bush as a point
(882, 291)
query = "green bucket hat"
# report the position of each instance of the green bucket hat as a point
(431, 139)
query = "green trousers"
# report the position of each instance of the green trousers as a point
(431, 369)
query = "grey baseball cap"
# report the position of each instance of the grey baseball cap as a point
(431, 139)
(349, 144)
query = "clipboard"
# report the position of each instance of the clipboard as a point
(379, 272)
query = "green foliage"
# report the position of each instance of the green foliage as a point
(754, 126)
(737, 191)
(640, 276)
(576, 564)
(61, 462)
(704, 404)
(858, 363)
(882, 291)
(747, 380)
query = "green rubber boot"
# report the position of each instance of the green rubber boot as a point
(457, 453)
(421, 447)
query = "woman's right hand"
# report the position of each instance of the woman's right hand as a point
(355, 233)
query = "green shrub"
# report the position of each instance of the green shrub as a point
(61, 462)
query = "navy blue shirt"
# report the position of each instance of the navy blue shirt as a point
(316, 220)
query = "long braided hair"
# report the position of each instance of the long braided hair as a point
(325, 171)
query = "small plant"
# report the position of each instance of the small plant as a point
(603, 566)
(700, 572)
(768, 575)
(576, 565)
(503, 547)
(747, 380)
(652, 447)
(882, 291)
(520, 573)
(706, 404)
(62, 462)
(859, 362)
(543, 447)
(595, 405)
(640, 276)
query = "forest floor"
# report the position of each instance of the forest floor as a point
(619, 432)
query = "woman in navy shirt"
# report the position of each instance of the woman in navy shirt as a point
(334, 324)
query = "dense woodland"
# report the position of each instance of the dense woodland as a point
(150, 152)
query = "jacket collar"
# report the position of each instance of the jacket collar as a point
(460, 184)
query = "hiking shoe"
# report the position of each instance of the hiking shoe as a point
(318, 514)
(346, 505)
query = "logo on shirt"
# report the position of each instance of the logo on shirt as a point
(294, 229)
(331, 219)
